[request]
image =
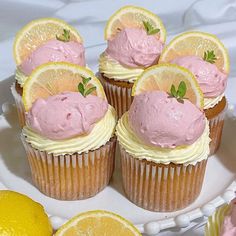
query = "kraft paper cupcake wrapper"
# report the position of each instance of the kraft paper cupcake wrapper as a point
(71, 177)
(119, 97)
(216, 125)
(19, 106)
(159, 187)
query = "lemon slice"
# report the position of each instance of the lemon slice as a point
(133, 17)
(161, 77)
(98, 223)
(195, 44)
(57, 77)
(38, 32)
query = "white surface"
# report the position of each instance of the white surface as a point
(89, 16)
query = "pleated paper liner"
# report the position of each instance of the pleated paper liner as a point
(214, 223)
(17, 94)
(72, 177)
(216, 117)
(159, 187)
(118, 94)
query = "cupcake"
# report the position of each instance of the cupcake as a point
(41, 41)
(206, 57)
(135, 39)
(69, 133)
(223, 221)
(164, 140)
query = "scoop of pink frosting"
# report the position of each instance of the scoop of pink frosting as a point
(135, 48)
(211, 80)
(160, 120)
(54, 51)
(228, 227)
(65, 115)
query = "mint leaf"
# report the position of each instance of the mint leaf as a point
(173, 91)
(210, 56)
(149, 28)
(65, 37)
(86, 80)
(181, 89)
(146, 25)
(180, 93)
(81, 88)
(90, 90)
(154, 31)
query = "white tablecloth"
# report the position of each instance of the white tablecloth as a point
(89, 17)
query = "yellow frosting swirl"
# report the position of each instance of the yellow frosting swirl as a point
(181, 155)
(20, 77)
(100, 135)
(215, 221)
(112, 69)
(211, 102)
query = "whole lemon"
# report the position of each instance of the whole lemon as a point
(21, 216)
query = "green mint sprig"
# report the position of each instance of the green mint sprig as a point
(180, 92)
(83, 88)
(210, 57)
(64, 37)
(149, 28)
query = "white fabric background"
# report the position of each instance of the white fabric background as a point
(89, 17)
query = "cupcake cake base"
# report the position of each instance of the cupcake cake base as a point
(216, 117)
(72, 177)
(118, 94)
(159, 187)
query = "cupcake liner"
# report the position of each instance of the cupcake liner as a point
(71, 177)
(216, 125)
(19, 105)
(119, 97)
(159, 187)
(214, 223)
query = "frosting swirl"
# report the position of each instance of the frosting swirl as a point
(228, 227)
(112, 69)
(65, 115)
(101, 133)
(162, 121)
(133, 47)
(185, 155)
(54, 51)
(223, 221)
(211, 80)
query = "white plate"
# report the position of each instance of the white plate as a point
(219, 183)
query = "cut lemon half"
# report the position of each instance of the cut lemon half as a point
(98, 223)
(57, 77)
(133, 17)
(162, 77)
(195, 44)
(38, 32)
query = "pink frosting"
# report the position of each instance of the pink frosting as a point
(66, 115)
(135, 48)
(54, 51)
(229, 224)
(211, 80)
(162, 121)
